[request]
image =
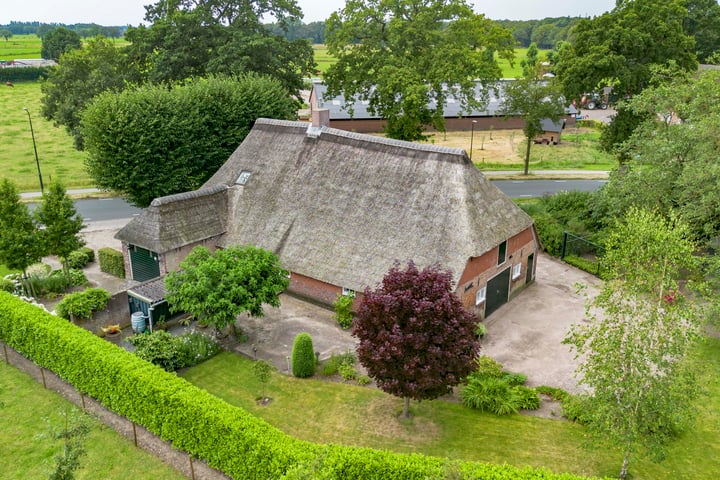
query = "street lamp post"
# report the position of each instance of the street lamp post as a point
(37, 160)
(472, 134)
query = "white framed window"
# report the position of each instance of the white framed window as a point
(480, 295)
(243, 177)
(517, 270)
(348, 292)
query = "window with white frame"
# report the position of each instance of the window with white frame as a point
(348, 292)
(517, 269)
(480, 295)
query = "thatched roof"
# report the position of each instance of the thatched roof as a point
(342, 207)
(177, 220)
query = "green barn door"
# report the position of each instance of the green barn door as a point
(498, 289)
(145, 264)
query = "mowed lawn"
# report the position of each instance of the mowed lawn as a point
(58, 158)
(26, 412)
(332, 412)
(19, 47)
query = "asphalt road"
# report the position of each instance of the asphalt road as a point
(100, 209)
(538, 188)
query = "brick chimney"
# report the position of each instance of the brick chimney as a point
(321, 117)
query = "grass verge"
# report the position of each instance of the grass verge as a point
(24, 415)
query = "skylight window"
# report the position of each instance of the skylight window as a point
(243, 178)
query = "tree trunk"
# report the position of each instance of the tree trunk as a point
(624, 469)
(406, 408)
(527, 155)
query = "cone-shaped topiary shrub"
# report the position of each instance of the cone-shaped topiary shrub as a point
(303, 356)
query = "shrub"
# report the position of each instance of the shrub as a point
(303, 356)
(7, 285)
(557, 394)
(490, 394)
(363, 380)
(159, 348)
(576, 408)
(528, 398)
(487, 367)
(332, 364)
(111, 261)
(343, 310)
(480, 329)
(347, 372)
(195, 348)
(586, 264)
(514, 379)
(81, 305)
(81, 257)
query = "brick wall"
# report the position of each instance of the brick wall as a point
(479, 270)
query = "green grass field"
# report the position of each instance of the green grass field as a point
(324, 412)
(20, 46)
(57, 156)
(324, 60)
(26, 408)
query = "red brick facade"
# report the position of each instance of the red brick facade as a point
(479, 270)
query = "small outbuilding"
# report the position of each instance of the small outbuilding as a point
(339, 208)
(552, 131)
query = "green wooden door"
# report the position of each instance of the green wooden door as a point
(498, 289)
(145, 264)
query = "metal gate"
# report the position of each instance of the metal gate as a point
(498, 289)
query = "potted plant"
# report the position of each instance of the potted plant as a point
(111, 331)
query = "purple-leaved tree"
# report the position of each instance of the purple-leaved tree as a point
(416, 338)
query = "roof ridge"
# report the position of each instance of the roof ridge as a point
(365, 137)
(200, 192)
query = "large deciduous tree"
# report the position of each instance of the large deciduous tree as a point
(58, 41)
(153, 141)
(218, 287)
(62, 224)
(416, 338)
(189, 38)
(634, 350)
(407, 58)
(535, 99)
(703, 23)
(672, 156)
(618, 47)
(82, 74)
(20, 243)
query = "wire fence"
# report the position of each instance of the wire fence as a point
(581, 253)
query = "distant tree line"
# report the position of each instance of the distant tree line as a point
(314, 32)
(84, 30)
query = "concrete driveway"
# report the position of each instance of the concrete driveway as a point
(525, 335)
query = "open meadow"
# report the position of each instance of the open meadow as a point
(58, 158)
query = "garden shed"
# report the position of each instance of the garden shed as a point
(149, 298)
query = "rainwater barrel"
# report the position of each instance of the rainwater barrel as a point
(137, 321)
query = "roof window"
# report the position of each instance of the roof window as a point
(243, 178)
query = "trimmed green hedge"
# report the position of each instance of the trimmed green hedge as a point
(111, 261)
(227, 437)
(23, 74)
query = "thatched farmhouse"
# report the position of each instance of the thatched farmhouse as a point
(456, 120)
(339, 209)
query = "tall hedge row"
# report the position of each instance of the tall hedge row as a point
(111, 261)
(227, 437)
